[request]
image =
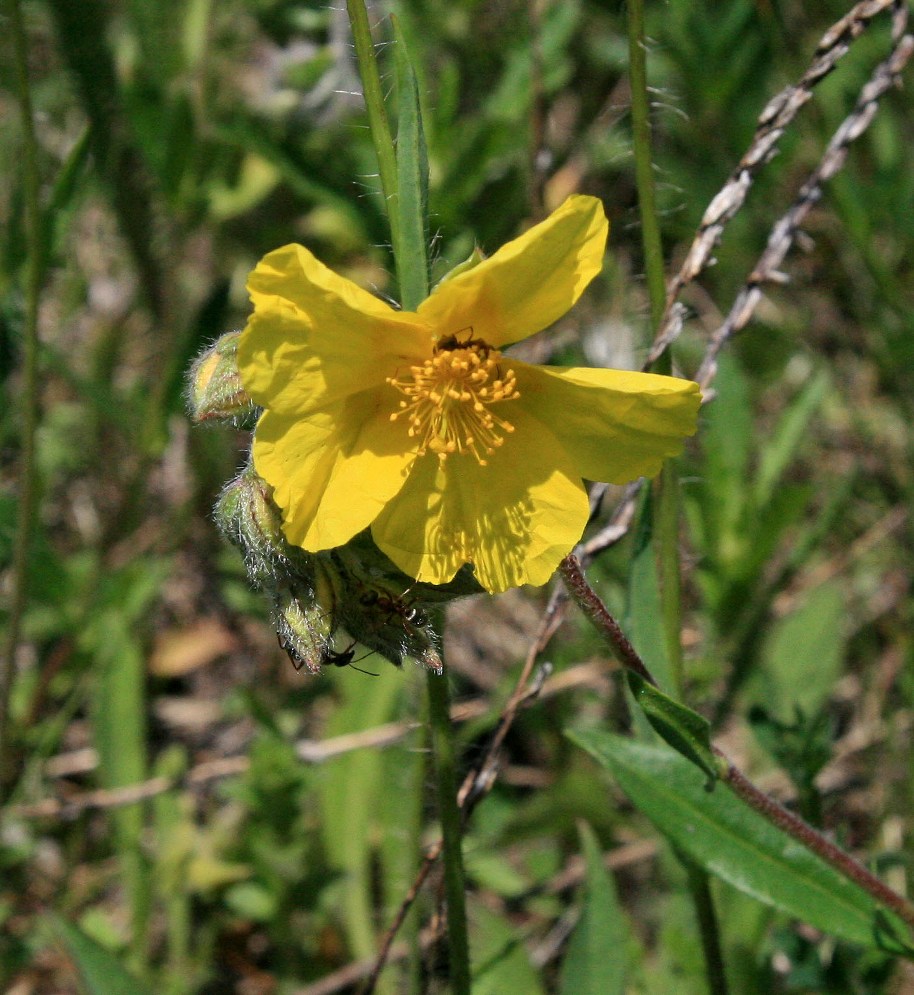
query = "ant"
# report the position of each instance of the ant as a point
(339, 658)
(343, 658)
(290, 651)
(392, 606)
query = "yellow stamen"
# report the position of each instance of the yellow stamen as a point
(449, 400)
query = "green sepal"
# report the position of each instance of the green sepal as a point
(686, 731)
(471, 261)
(214, 387)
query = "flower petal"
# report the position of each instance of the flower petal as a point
(513, 519)
(616, 426)
(315, 337)
(528, 283)
(333, 471)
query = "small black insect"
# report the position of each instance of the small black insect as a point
(339, 658)
(450, 342)
(290, 651)
(343, 658)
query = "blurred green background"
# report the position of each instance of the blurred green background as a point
(179, 142)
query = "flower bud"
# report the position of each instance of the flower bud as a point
(214, 387)
(304, 626)
(246, 516)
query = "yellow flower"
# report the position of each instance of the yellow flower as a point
(416, 424)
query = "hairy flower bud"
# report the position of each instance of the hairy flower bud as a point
(246, 516)
(353, 593)
(214, 387)
(304, 625)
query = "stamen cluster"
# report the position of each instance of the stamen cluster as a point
(449, 400)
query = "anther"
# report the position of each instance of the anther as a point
(448, 399)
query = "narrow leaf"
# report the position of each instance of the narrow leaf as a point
(644, 610)
(597, 958)
(101, 971)
(500, 961)
(729, 839)
(784, 443)
(686, 731)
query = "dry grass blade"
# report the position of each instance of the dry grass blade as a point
(772, 122)
(726, 203)
(784, 232)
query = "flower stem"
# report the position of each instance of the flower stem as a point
(785, 820)
(644, 170)
(812, 839)
(451, 830)
(377, 113)
(666, 509)
(25, 512)
(703, 900)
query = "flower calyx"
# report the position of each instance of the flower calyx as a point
(214, 387)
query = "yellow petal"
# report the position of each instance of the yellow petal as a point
(528, 283)
(513, 519)
(616, 426)
(333, 471)
(315, 337)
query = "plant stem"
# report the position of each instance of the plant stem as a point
(644, 172)
(589, 602)
(812, 839)
(700, 888)
(666, 510)
(451, 830)
(377, 112)
(404, 179)
(25, 511)
(585, 596)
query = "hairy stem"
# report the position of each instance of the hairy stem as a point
(589, 602)
(644, 170)
(377, 113)
(793, 825)
(785, 820)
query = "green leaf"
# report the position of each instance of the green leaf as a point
(726, 837)
(412, 184)
(350, 787)
(782, 447)
(644, 610)
(500, 961)
(101, 970)
(596, 961)
(686, 731)
(802, 655)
